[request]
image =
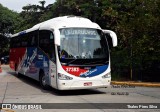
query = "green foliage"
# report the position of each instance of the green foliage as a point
(8, 20)
(8, 23)
(138, 28)
(4, 45)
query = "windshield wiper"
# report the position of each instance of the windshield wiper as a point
(95, 62)
(89, 63)
(69, 62)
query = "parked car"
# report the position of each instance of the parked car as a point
(5, 60)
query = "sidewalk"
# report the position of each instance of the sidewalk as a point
(133, 83)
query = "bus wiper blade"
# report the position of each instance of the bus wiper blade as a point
(70, 62)
(95, 62)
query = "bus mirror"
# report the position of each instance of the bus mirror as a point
(113, 37)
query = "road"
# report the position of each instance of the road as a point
(26, 90)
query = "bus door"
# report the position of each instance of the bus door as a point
(52, 61)
(53, 72)
(46, 39)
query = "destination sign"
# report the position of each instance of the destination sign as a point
(80, 32)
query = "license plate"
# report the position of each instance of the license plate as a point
(88, 84)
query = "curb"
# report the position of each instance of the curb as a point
(144, 84)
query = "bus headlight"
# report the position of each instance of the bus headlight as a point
(108, 75)
(64, 77)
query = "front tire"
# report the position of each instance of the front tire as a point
(43, 81)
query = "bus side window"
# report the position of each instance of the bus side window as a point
(17, 41)
(44, 40)
(46, 43)
(33, 38)
(12, 42)
(24, 41)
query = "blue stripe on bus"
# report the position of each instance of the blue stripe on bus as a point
(94, 72)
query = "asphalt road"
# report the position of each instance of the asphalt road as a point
(26, 90)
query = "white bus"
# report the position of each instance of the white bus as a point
(65, 53)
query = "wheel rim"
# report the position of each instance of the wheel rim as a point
(43, 81)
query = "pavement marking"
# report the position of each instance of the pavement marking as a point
(5, 93)
(6, 110)
(147, 84)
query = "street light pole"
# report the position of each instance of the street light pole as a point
(131, 66)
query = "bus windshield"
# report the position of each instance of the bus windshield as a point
(81, 45)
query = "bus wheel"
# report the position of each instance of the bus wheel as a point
(43, 81)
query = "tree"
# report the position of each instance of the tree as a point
(4, 45)
(42, 3)
(8, 24)
(8, 20)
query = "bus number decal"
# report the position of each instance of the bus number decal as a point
(72, 69)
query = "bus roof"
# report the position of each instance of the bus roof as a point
(62, 22)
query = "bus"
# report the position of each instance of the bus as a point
(67, 52)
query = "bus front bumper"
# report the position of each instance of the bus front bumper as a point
(73, 85)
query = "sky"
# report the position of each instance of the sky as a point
(16, 5)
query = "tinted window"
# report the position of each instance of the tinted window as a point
(46, 43)
(25, 40)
